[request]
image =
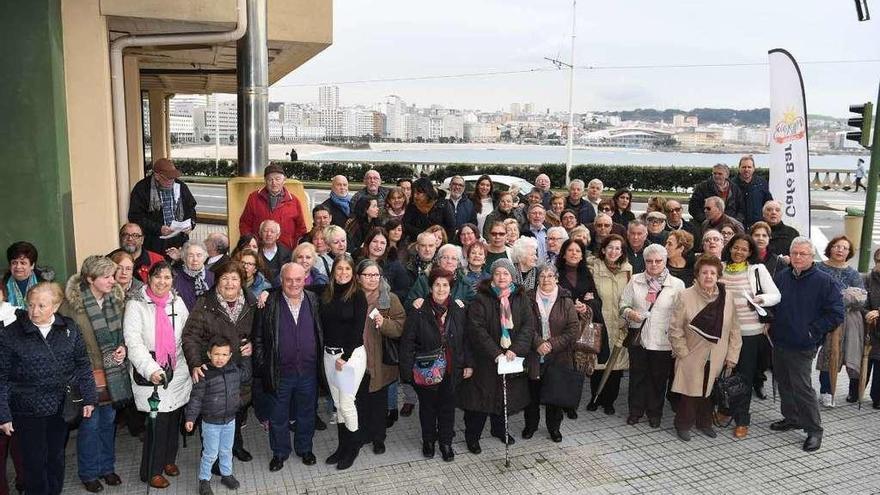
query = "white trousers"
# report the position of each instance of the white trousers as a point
(346, 412)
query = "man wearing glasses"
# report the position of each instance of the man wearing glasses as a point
(716, 218)
(675, 220)
(462, 206)
(131, 240)
(157, 201)
(497, 248)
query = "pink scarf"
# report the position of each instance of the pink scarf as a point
(165, 343)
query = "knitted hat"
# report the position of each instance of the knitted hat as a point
(507, 265)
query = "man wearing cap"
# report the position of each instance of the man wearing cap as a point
(156, 201)
(656, 223)
(274, 202)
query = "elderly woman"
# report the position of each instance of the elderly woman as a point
(524, 255)
(555, 208)
(747, 280)
(511, 225)
(125, 273)
(192, 278)
(306, 255)
(557, 321)
(323, 260)
(95, 302)
(22, 274)
(395, 204)
(678, 247)
(646, 306)
(40, 353)
(612, 272)
(255, 280)
(376, 248)
(705, 338)
(475, 263)
(153, 325)
(839, 251)
(438, 325)
(226, 310)
(337, 244)
(713, 243)
(622, 213)
(427, 209)
(386, 322)
(500, 325)
(449, 259)
(343, 313)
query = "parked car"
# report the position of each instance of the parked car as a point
(501, 182)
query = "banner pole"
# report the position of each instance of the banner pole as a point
(870, 197)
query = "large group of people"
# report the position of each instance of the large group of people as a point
(409, 291)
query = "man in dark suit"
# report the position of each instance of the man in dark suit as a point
(339, 203)
(274, 255)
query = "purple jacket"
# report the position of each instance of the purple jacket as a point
(186, 286)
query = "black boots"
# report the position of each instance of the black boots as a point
(349, 447)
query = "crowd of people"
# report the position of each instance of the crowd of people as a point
(416, 293)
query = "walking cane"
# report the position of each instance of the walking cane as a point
(153, 401)
(506, 434)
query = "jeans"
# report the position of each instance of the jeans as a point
(297, 393)
(216, 442)
(95, 444)
(42, 451)
(392, 396)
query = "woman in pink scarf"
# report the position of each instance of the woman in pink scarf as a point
(154, 321)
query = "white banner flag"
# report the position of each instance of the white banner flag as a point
(789, 148)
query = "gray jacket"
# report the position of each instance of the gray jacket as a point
(217, 396)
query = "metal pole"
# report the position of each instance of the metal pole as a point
(252, 64)
(568, 163)
(871, 196)
(216, 136)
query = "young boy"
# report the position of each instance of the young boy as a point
(216, 397)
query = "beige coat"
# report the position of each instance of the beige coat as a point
(393, 319)
(691, 350)
(609, 287)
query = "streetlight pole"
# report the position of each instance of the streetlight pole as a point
(870, 197)
(570, 140)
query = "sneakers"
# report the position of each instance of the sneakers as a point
(827, 400)
(230, 482)
(205, 488)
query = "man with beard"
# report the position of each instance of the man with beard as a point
(131, 240)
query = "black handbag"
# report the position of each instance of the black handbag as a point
(142, 381)
(634, 335)
(72, 408)
(562, 386)
(768, 318)
(730, 391)
(390, 351)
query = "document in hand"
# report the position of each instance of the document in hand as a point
(506, 367)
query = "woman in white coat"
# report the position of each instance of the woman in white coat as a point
(746, 278)
(154, 321)
(646, 305)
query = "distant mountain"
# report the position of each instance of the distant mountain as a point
(757, 116)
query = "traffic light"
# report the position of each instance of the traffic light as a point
(863, 135)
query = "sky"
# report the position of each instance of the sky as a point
(408, 39)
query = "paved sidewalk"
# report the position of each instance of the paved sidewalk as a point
(599, 454)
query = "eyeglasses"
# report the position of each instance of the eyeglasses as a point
(370, 275)
(547, 275)
(338, 241)
(554, 238)
(448, 258)
(673, 210)
(124, 269)
(456, 184)
(605, 209)
(131, 236)
(498, 234)
(655, 220)
(248, 263)
(708, 208)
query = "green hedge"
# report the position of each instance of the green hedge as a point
(636, 178)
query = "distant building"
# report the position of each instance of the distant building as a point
(702, 138)
(328, 97)
(623, 138)
(223, 122)
(529, 108)
(395, 123)
(515, 110)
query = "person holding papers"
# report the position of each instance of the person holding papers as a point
(432, 351)
(163, 205)
(343, 316)
(500, 325)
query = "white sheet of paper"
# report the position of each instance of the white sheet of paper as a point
(506, 367)
(177, 228)
(345, 380)
(761, 311)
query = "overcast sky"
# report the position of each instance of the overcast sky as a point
(383, 39)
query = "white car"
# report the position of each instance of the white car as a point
(500, 182)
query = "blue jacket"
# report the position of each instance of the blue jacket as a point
(754, 195)
(464, 212)
(32, 380)
(811, 306)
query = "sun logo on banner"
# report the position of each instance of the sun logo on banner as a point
(792, 127)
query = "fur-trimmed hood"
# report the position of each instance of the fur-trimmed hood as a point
(73, 294)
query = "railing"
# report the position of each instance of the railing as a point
(830, 179)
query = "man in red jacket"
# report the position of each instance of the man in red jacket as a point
(274, 202)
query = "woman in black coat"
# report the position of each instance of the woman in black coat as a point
(440, 323)
(482, 395)
(427, 208)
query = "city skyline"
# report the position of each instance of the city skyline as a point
(412, 50)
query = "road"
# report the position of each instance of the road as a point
(827, 213)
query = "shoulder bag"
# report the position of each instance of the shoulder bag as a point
(634, 335)
(562, 386)
(168, 370)
(430, 368)
(72, 410)
(768, 318)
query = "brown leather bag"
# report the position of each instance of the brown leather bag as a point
(589, 343)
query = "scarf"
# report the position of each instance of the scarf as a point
(14, 293)
(106, 321)
(165, 344)
(199, 284)
(423, 206)
(736, 267)
(156, 202)
(439, 311)
(709, 322)
(762, 254)
(506, 314)
(234, 311)
(545, 301)
(655, 285)
(342, 202)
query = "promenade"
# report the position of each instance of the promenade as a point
(599, 454)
